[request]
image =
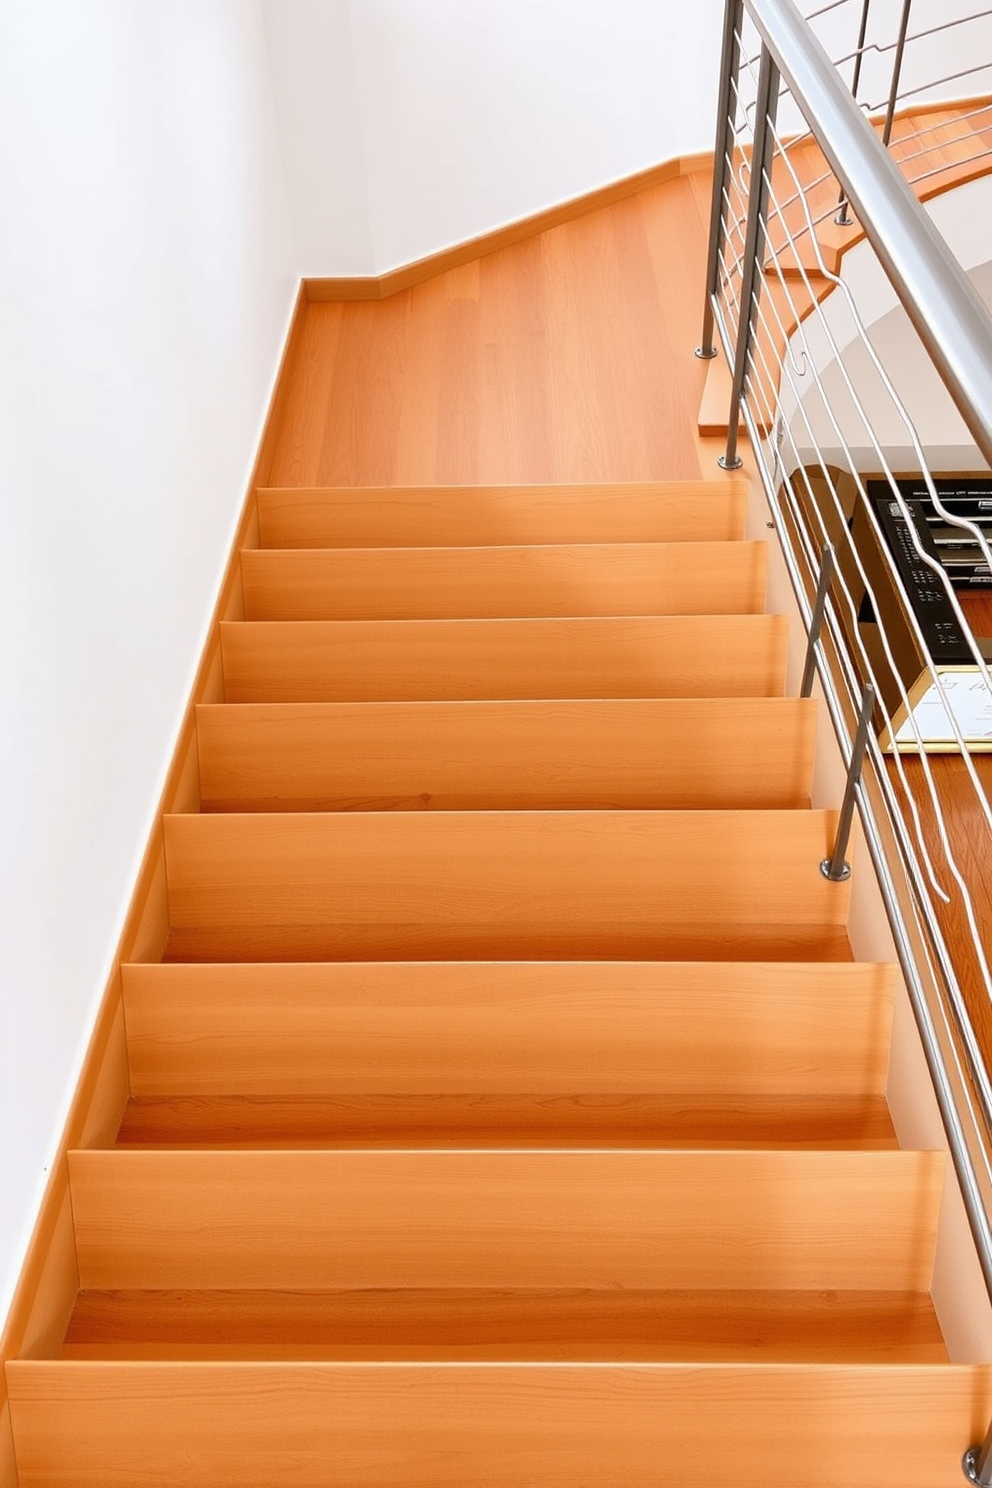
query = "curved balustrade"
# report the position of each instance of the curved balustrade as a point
(890, 634)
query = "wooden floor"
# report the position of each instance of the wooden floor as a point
(508, 369)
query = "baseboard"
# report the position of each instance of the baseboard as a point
(381, 286)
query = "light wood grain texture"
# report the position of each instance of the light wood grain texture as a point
(786, 305)
(103, 1425)
(8, 1463)
(300, 661)
(484, 516)
(404, 885)
(487, 582)
(506, 1326)
(509, 1028)
(815, 1123)
(381, 286)
(565, 357)
(358, 1219)
(592, 754)
(692, 940)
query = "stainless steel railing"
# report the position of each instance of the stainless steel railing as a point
(796, 336)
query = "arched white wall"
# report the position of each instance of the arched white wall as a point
(146, 277)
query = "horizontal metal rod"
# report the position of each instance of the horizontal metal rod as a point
(949, 316)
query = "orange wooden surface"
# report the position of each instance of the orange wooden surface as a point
(815, 1123)
(491, 1326)
(568, 357)
(413, 885)
(556, 1028)
(301, 661)
(692, 578)
(538, 1218)
(460, 515)
(595, 753)
(105, 1425)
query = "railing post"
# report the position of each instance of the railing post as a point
(733, 20)
(890, 112)
(836, 868)
(977, 1462)
(754, 244)
(842, 219)
(816, 620)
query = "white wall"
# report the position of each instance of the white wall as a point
(474, 113)
(146, 278)
(316, 94)
(410, 125)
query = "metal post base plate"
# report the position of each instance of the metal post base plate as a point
(734, 464)
(705, 355)
(840, 877)
(969, 1463)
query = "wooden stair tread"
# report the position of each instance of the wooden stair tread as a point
(593, 754)
(295, 661)
(703, 941)
(656, 511)
(425, 1028)
(568, 1218)
(499, 582)
(508, 1121)
(489, 1326)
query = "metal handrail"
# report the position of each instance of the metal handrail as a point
(950, 318)
(956, 329)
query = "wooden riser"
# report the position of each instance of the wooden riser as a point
(669, 753)
(511, 1028)
(104, 1425)
(415, 885)
(438, 583)
(392, 516)
(484, 1121)
(303, 661)
(489, 1327)
(654, 1219)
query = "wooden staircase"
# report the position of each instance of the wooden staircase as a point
(508, 1107)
